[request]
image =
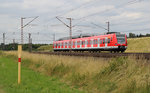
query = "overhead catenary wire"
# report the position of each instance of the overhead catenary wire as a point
(119, 6)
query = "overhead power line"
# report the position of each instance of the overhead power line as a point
(82, 5)
(119, 6)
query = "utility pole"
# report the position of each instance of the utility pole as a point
(13, 44)
(22, 30)
(70, 27)
(70, 19)
(30, 43)
(108, 26)
(22, 25)
(3, 41)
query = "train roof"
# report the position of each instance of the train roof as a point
(86, 37)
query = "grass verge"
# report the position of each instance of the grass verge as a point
(31, 81)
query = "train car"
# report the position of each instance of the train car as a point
(114, 42)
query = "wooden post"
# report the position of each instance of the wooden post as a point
(19, 63)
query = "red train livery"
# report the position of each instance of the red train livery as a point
(110, 42)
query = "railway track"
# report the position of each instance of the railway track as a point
(103, 55)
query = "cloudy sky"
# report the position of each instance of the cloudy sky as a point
(88, 16)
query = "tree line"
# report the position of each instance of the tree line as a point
(14, 46)
(133, 35)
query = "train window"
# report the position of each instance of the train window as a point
(108, 40)
(64, 44)
(83, 42)
(96, 41)
(88, 42)
(103, 41)
(78, 42)
(111, 38)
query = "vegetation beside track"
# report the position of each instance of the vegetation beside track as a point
(94, 75)
(31, 81)
(48, 48)
(139, 45)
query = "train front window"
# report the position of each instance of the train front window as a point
(121, 38)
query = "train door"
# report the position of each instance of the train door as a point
(106, 43)
(98, 42)
(91, 43)
(76, 44)
(83, 43)
(62, 45)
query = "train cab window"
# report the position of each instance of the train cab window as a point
(108, 40)
(103, 41)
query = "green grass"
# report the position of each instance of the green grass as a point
(31, 81)
(45, 48)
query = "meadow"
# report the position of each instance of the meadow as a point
(92, 75)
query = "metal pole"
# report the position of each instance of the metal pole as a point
(108, 26)
(22, 30)
(13, 44)
(70, 33)
(30, 43)
(3, 41)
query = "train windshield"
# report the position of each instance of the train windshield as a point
(121, 38)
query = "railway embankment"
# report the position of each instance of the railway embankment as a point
(93, 75)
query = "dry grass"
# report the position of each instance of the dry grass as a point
(82, 65)
(96, 75)
(139, 45)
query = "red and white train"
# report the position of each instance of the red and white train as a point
(114, 42)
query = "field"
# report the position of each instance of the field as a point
(92, 75)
